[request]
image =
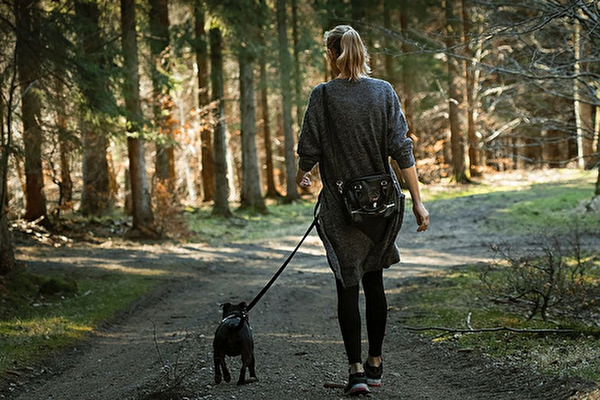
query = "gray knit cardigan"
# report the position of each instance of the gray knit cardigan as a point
(363, 114)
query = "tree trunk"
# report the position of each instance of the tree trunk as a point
(251, 196)
(280, 148)
(588, 124)
(264, 101)
(66, 184)
(407, 79)
(576, 94)
(388, 60)
(470, 89)
(286, 93)
(95, 196)
(454, 95)
(7, 255)
(143, 218)
(596, 140)
(597, 191)
(28, 64)
(221, 204)
(208, 166)
(297, 74)
(161, 98)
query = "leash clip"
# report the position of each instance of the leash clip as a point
(340, 186)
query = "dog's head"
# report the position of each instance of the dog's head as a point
(233, 309)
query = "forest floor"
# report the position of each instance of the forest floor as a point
(162, 347)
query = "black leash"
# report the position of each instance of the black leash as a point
(280, 270)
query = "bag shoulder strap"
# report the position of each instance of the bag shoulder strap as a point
(329, 132)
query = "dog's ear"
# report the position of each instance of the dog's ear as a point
(225, 307)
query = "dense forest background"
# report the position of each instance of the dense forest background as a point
(153, 105)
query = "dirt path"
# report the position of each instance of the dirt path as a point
(298, 345)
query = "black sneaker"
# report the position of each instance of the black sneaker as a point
(357, 385)
(373, 374)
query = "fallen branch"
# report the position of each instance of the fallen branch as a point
(481, 330)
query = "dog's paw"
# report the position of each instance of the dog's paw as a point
(227, 378)
(241, 382)
(218, 379)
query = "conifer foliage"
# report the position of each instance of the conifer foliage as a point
(139, 108)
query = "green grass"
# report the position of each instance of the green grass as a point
(246, 226)
(448, 191)
(447, 299)
(32, 327)
(530, 208)
(552, 206)
(432, 194)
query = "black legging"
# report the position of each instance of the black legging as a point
(349, 315)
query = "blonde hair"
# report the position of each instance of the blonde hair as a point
(352, 56)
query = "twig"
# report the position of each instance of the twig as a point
(481, 330)
(162, 360)
(469, 322)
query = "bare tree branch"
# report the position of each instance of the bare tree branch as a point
(483, 330)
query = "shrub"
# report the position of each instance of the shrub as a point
(557, 279)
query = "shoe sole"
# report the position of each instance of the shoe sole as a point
(359, 388)
(374, 382)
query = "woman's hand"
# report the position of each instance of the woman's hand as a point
(422, 216)
(303, 179)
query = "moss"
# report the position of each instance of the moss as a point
(43, 313)
(59, 287)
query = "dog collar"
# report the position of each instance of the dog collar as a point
(242, 316)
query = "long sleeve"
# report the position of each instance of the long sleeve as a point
(400, 147)
(310, 148)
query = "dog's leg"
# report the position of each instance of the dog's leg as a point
(226, 374)
(242, 379)
(217, 361)
(252, 368)
(246, 361)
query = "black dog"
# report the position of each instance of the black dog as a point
(233, 338)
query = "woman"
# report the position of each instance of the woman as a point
(367, 121)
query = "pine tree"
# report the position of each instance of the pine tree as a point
(208, 166)
(95, 198)
(251, 190)
(143, 218)
(161, 98)
(453, 34)
(221, 204)
(7, 255)
(28, 64)
(286, 94)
